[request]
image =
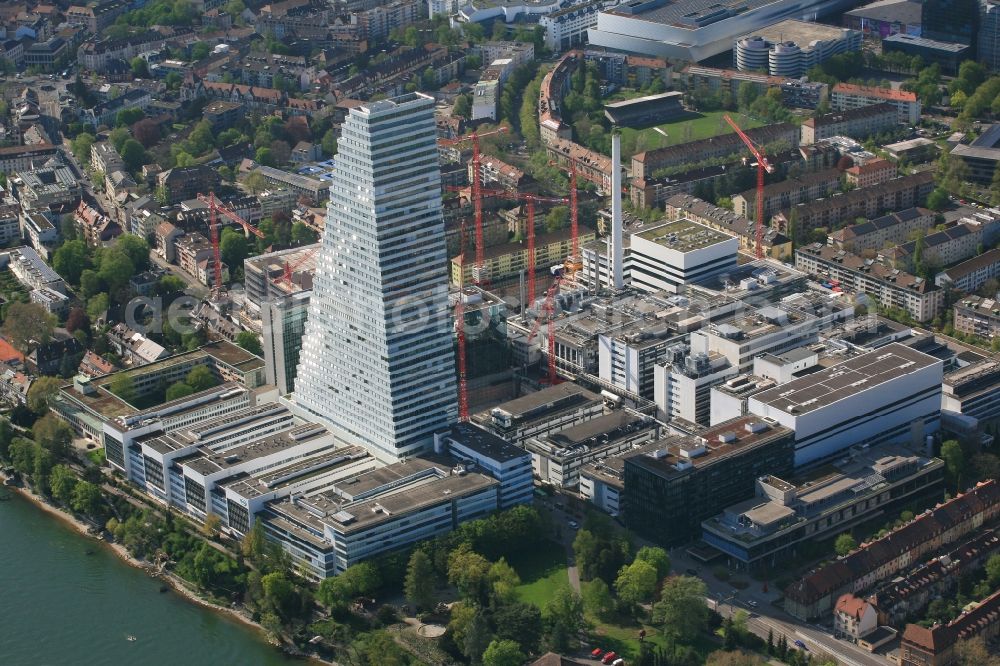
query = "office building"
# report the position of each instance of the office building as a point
(682, 386)
(780, 517)
(283, 322)
(673, 484)
(951, 21)
(670, 255)
(982, 156)
(948, 55)
(912, 150)
(694, 30)
(885, 17)
(377, 361)
(558, 457)
(892, 394)
(988, 42)
(973, 391)
(483, 451)
(889, 286)
(775, 244)
(847, 96)
(266, 275)
(567, 28)
(756, 331)
(814, 595)
(790, 48)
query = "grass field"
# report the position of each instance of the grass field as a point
(542, 572)
(699, 125)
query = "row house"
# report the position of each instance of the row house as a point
(106, 113)
(870, 173)
(935, 646)
(885, 231)
(97, 55)
(814, 595)
(779, 196)
(96, 17)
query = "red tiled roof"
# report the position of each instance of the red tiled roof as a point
(881, 93)
(8, 353)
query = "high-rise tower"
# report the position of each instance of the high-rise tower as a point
(377, 361)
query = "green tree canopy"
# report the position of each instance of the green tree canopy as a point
(636, 582)
(844, 544)
(249, 341)
(201, 378)
(681, 612)
(503, 653)
(70, 260)
(27, 325)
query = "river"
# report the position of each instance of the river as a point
(66, 599)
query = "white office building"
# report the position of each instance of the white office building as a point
(892, 394)
(567, 28)
(677, 253)
(377, 362)
(682, 389)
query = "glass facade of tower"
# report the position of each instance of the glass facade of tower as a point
(377, 362)
(951, 20)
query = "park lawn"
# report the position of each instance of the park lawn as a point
(625, 639)
(542, 572)
(700, 125)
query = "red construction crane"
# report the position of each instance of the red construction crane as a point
(574, 262)
(550, 320)
(286, 275)
(215, 207)
(530, 200)
(762, 166)
(477, 195)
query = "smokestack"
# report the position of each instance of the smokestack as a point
(617, 254)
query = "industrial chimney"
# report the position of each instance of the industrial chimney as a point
(616, 259)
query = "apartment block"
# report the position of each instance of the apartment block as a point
(787, 193)
(969, 275)
(847, 96)
(881, 232)
(858, 122)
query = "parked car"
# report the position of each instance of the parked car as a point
(618, 662)
(573, 524)
(799, 644)
(609, 657)
(597, 653)
(751, 603)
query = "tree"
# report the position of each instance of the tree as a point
(170, 284)
(6, 437)
(97, 306)
(133, 155)
(70, 260)
(558, 218)
(503, 581)
(564, 613)
(477, 637)
(993, 570)
(201, 378)
(954, 461)
(329, 143)
(302, 234)
(116, 269)
(178, 390)
(468, 570)
(597, 598)
(62, 482)
(419, 583)
(279, 594)
(90, 283)
(52, 433)
(128, 117)
(249, 341)
(87, 499)
(255, 182)
(146, 132)
(264, 157)
(733, 658)
(636, 582)
(233, 247)
(681, 612)
(503, 653)
(656, 556)
(937, 200)
(519, 622)
(463, 107)
(81, 147)
(200, 51)
(118, 136)
(844, 544)
(42, 390)
(27, 325)
(140, 68)
(136, 249)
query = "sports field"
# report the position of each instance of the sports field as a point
(699, 125)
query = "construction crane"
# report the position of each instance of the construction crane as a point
(574, 261)
(762, 166)
(286, 274)
(530, 201)
(477, 195)
(214, 208)
(549, 310)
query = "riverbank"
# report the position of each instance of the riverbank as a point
(176, 584)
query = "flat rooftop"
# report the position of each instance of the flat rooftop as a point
(209, 461)
(905, 11)
(603, 429)
(854, 375)
(485, 442)
(639, 101)
(553, 398)
(686, 13)
(683, 235)
(803, 33)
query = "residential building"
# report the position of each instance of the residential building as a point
(567, 28)
(54, 302)
(29, 269)
(166, 241)
(537, 414)
(790, 48)
(390, 387)
(982, 156)
(509, 259)
(947, 55)
(59, 356)
(794, 92)
(673, 484)
(942, 248)
(853, 617)
(106, 112)
(892, 394)
(858, 122)
(969, 275)
(314, 189)
(485, 96)
(96, 17)
(870, 173)
(10, 223)
(976, 315)
(935, 646)
(45, 55)
(40, 233)
(765, 531)
(181, 183)
(776, 245)
(14, 159)
(104, 158)
(881, 232)
(897, 194)
(787, 193)
(848, 96)
(48, 185)
(558, 457)
(482, 451)
(590, 165)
